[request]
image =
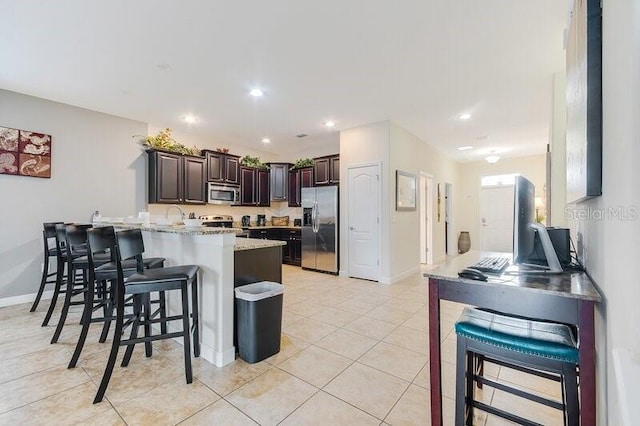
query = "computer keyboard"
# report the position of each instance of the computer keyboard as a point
(492, 265)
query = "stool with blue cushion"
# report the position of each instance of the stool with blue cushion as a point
(541, 348)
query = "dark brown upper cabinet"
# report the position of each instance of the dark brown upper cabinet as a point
(327, 170)
(254, 187)
(298, 179)
(223, 168)
(279, 176)
(175, 178)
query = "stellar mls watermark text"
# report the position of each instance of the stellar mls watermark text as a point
(607, 213)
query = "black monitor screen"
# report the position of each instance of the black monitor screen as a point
(523, 217)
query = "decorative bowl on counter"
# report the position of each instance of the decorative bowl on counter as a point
(164, 221)
(192, 223)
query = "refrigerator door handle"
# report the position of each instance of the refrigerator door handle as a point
(315, 217)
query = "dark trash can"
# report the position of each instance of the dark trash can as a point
(259, 316)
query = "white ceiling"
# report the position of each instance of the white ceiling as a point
(420, 63)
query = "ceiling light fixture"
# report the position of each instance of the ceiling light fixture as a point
(464, 116)
(190, 118)
(266, 140)
(465, 148)
(329, 123)
(492, 159)
(256, 93)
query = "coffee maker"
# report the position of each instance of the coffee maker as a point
(246, 221)
(262, 220)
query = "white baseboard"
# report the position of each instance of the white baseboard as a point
(400, 276)
(24, 298)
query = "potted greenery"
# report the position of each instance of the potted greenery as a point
(164, 142)
(302, 163)
(255, 162)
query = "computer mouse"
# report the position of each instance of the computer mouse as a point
(472, 274)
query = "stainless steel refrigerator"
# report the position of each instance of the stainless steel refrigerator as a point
(320, 228)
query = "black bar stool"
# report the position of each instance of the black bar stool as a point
(48, 234)
(130, 246)
(544, 349)
(99, 294)
(61, 264)
(75, 237)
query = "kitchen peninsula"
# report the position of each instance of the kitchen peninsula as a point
(213, 250)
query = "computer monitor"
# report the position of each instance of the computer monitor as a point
(525, 228)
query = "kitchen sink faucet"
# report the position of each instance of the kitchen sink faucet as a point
(174, 206)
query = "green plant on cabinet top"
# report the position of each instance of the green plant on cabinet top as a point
(249, 161)
(164, 142)
(302, 163)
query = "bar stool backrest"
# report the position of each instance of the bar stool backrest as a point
(49, 231)
(100, 240)
(61, 238)
(131, 245)
(76, 239)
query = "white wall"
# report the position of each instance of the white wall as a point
(396, 149)
(360, 145)
(413, 155)
(466, 196)
(95, 166)
(611, 244)
(558, 148)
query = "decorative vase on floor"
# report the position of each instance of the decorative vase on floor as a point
(464, 242)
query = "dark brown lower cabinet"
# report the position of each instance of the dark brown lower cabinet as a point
(292, 252)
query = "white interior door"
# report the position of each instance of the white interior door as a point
(496, 218)
(364, 223)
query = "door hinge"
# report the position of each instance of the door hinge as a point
(378, 262)
(378, 178)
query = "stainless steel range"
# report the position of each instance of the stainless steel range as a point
(217, 221)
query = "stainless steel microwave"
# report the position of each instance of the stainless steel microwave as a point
(223, 194)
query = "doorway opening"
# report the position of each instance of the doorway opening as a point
(496, 213)
(448, 219)
(426, 221)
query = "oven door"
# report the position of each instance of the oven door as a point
(222, 194)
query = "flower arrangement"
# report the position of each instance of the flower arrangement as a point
(249, 161)
(301, 163)
(164, 141)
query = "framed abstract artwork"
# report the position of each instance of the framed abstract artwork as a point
(405, 191)
(25, 153)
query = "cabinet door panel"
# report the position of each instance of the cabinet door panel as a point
(306, 178)
(169, 178)
(194, 177)
(279, 174)
(247, 186)
(335, 170)
(232, 169)
(215, 167)
(321, 171)
(294, 189)
(262, 186)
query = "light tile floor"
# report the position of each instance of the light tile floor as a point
(353, 352)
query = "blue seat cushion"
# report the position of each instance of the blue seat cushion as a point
(539, 338)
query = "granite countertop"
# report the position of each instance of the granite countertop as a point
(254, 243)
(249, 228)
(173, 229)
(568, 284)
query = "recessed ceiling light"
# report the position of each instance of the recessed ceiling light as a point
(465, 148)
(256, 93)
(329, 123)
(190, 118)
(492, 159)
(464, 116)
(266, 140)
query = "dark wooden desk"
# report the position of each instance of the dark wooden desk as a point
(567, 298)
